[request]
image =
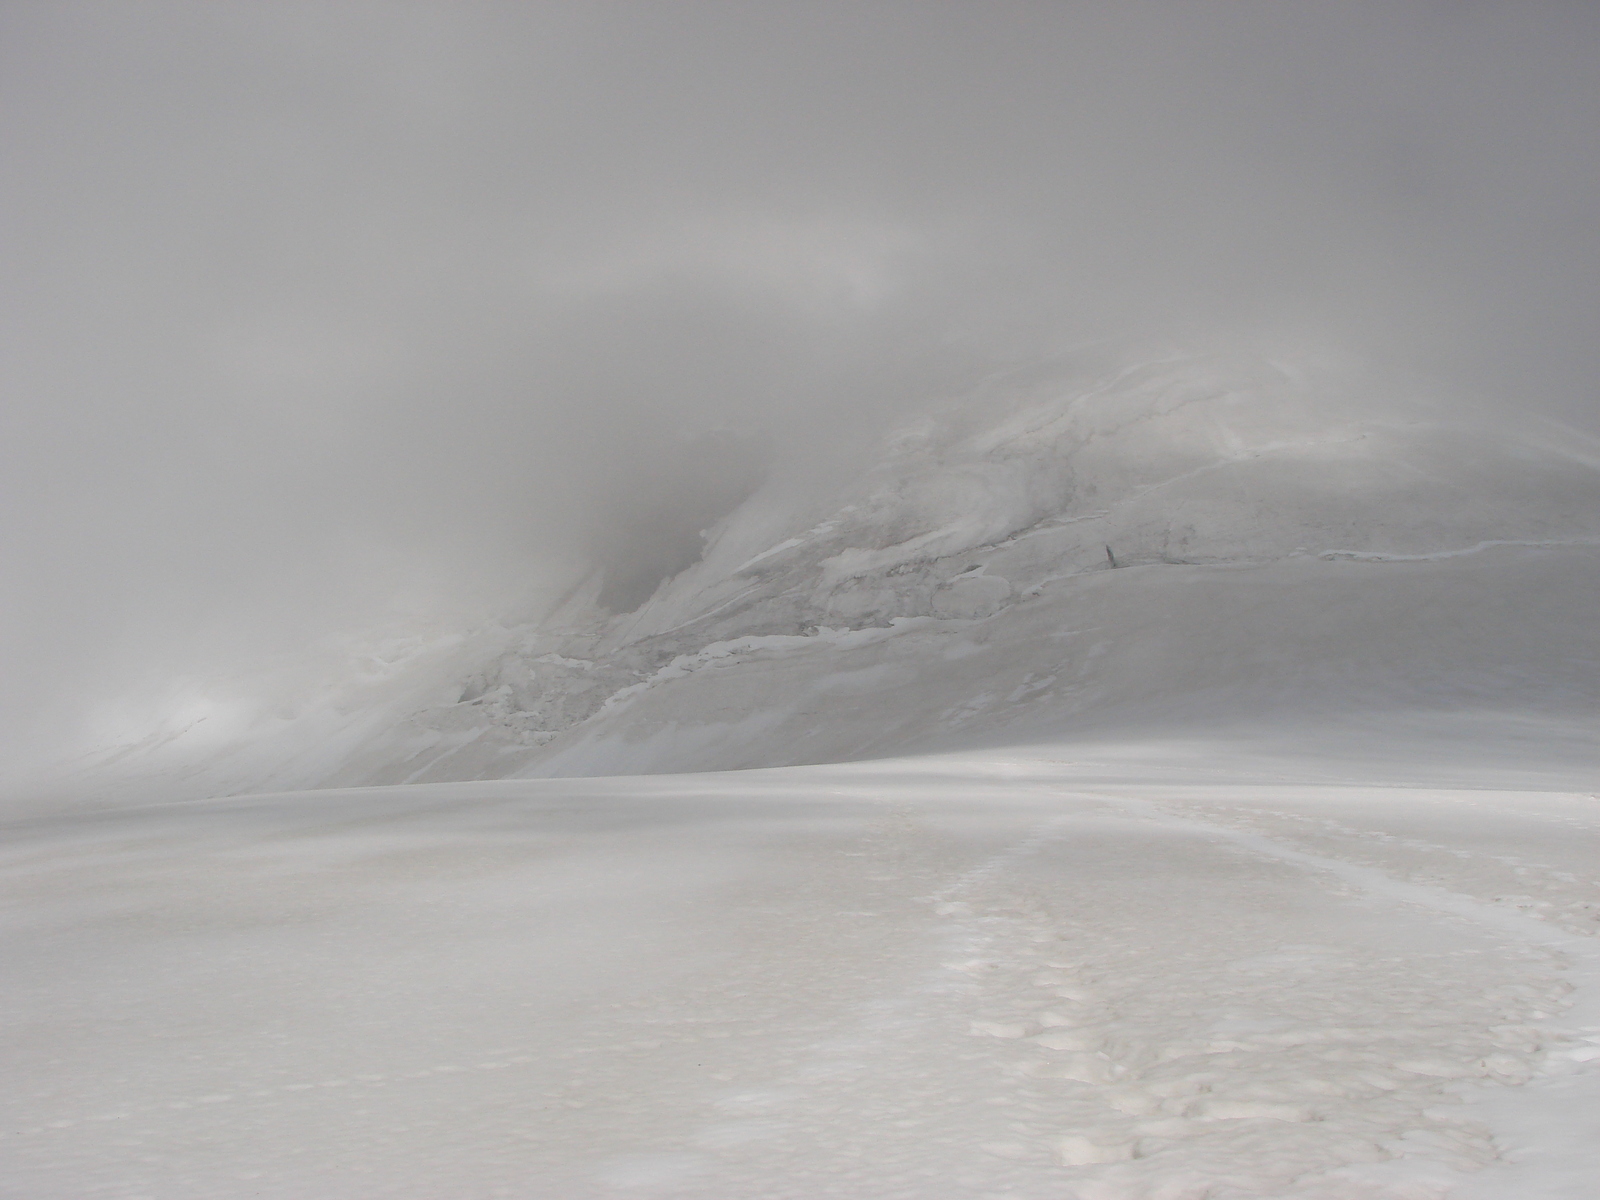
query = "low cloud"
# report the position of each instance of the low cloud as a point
(319, 315)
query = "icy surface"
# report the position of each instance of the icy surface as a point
(1073, 974)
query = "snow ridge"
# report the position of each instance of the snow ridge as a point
(1042, 489)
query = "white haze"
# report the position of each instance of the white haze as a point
(319, 317)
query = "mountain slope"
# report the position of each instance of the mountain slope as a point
(1087, 546)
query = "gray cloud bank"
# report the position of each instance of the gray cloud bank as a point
(319, 313)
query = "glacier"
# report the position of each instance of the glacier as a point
(1159, 776)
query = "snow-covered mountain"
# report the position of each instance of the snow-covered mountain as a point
(1240, 845)
(1091, 544)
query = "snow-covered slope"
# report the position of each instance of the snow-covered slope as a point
(1092, 544)
(1241, 846)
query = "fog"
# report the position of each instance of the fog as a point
(320, 317)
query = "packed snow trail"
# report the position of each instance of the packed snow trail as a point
(941, 977)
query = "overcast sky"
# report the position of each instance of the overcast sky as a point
(315, 311)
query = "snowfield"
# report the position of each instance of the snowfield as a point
(1172, 780)
(1108, 977)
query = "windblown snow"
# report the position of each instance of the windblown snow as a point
(1158, 780)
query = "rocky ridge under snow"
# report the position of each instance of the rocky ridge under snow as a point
(1066, 496)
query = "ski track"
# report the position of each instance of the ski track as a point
(1461, 552)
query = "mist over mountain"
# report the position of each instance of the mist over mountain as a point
(926, 599)
(1150, 772)
(325, 322)
(1156, 543)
